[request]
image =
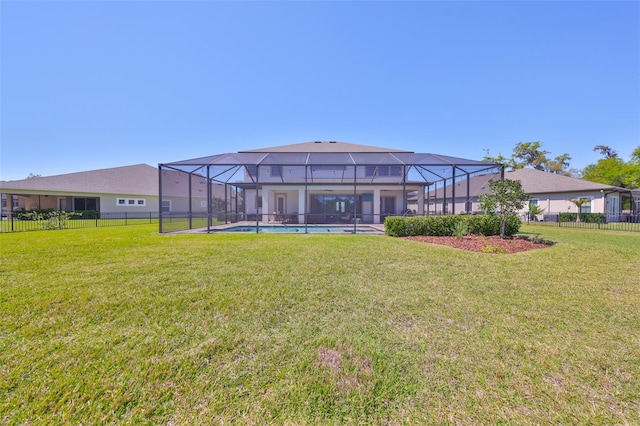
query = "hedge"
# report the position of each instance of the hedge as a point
(443, 226)
(584, 217)
(46, 214)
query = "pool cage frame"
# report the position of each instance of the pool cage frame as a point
(214, 189)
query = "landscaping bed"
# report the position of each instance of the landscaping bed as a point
(485, 244)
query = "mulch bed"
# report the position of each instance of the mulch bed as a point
(492, 244)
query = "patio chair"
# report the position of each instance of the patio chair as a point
(345, 218)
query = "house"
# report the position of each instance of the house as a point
(549, 191)
(130, 189)
(325, 181)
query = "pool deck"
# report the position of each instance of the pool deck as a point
(376, 226)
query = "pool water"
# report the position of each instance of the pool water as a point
(315, 229)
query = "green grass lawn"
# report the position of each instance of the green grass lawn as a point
(121, 325)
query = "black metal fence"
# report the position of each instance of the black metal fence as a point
(172, 222)
(183, 221)
(618, 222)
(67, 220)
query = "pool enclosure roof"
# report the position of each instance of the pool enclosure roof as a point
(437, 166)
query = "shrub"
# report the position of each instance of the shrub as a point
(86, 214)
(461, 229)
(584, 217)
(57, 220)
(395, 226)
(490, 225)
(444, 226)
(493, 249)
(34, 214)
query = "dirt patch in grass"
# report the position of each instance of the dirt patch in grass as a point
(492, 244)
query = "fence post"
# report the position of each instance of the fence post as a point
(125, 219)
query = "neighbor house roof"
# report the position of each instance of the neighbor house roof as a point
(537, 182)
(533, 182)
(139, 179)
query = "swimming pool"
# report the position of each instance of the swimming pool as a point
(310, 229)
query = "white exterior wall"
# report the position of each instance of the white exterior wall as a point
(559, 202)
(552, 203)
(295, 199)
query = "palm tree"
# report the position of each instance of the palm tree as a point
(579, 202)
(534, 210)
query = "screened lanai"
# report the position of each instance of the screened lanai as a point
(314, 183)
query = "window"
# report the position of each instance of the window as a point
(388, 205)
(166, 206)
(395, 171)
(252, 170)
(370, 171)
(131, 202)
(586, 207)
(383, 171)
(15, 203)
(85, 204)
(276, 171)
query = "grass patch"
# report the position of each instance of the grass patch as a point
(121, 325)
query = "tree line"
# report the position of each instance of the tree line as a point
(609, 170)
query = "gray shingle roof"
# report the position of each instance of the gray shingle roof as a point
(533, 182)
(538, 182)
(139, 179)
(326, 146)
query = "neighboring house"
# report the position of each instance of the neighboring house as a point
(636, 199)
(326, 182)
(131, 189)
(549, 191)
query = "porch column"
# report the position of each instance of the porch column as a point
(266, 208)
(376, 205)
(9, 199)
(302, 194)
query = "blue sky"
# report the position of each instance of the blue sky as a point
(95, 84)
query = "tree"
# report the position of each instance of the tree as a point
(505, 199)
(32, 176)
(606, 151)
(530, 154)
(508, 162)
(559, 165)
(579, 202)
(613, 170)
(534, 210)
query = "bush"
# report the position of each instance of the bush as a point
(584, 217)
(86, 214)
(395, 226)
(490, 225)
(444, 226)
(34, 214)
